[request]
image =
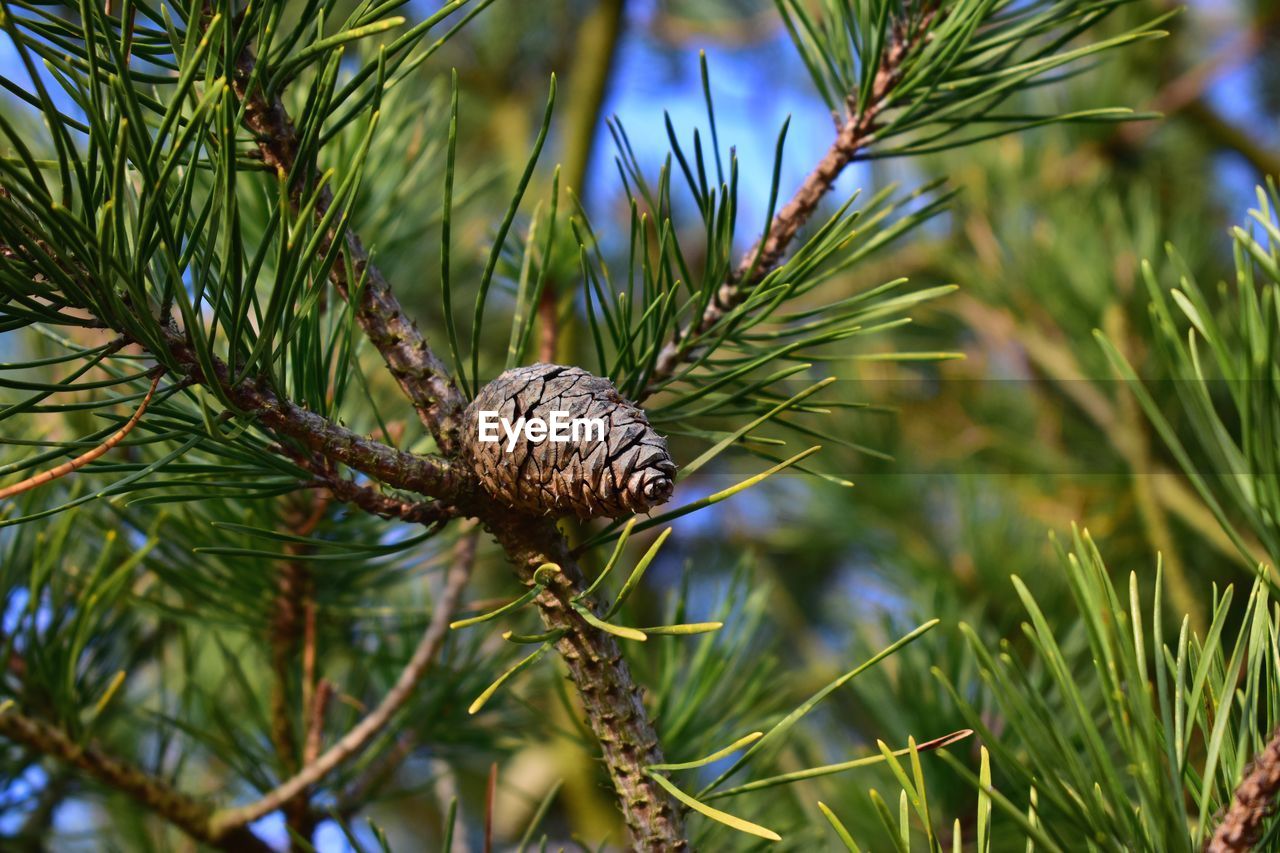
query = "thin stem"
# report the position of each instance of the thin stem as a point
(294, 603)
(187, 813)
(380, 717)
(854, 134)
(595, 49)
(369, 498)
(85, 458)
(422, 376)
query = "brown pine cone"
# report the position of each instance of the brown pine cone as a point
(1253, 803)
(620, 467)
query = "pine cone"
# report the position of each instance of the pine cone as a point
(1254, 802)
(627, 470)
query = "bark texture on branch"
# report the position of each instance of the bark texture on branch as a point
(421, 374)
(613, 702)
(187, 813)
(609, 695)
(854, 134)
(292, 630)
(427, 475)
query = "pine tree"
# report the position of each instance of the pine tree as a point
(246, 512)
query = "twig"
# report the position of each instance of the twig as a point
(182, 810)
(308, 655)
(490, 795)
(85, 458)
(425, 474)
(376, 503)
(359, 736)
(857, 131)
(595, 48)
(294, 608)
(315, 725)
(1253, 803)
(549, 324)
(421, 374)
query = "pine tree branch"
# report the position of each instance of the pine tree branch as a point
(426, 475)
(183, 811)
(317, 706)
(377, 720)
(857, 131)
(369, 498)
(292, 609)
(421, 374)
(610, 697)
(1253, 803)
(376, 503)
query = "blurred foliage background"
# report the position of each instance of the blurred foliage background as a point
(961, 464)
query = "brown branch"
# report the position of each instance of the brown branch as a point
(369, 498)
(427, 475)
(319, 706)
(610, 697)
(854, 134)
(85, 458)
(385, 506)
(308, 659)
(549, 324)
(377, 720)
(1253, 803)
(421, 374)
(293, 610)
(187, 813)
